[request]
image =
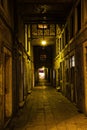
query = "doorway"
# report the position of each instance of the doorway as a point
(7, 76)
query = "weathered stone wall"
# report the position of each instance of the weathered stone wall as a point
(6, 41)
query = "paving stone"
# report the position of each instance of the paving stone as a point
(47, 109)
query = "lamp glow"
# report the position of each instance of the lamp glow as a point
(43, 42)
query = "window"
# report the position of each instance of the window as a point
(2, 3)
(28, 43)
(43, 29)
(67, 69)
(66, 35)
(60, 45)
(71, 26)
(63, 40)
(57, 46)
(42, 26)
(79, 16)
(26, 36)
(72, 61)
(61, 70)
(43, 57)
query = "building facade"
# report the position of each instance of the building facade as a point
(70, 59)
(16, 68)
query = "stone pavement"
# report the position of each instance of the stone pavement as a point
(47, 109)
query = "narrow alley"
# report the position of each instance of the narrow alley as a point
(48, 109)
(43, 40)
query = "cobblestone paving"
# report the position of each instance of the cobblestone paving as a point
(47, 109)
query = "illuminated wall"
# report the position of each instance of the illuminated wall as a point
(70, 58)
